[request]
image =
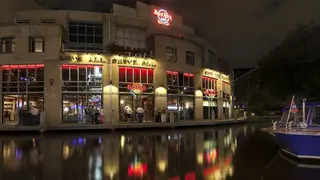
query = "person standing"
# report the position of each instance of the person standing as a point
(163, 114)
(129, 114)
(140, 112)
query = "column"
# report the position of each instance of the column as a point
(52, 94)
(198, 97)
(198, 105)
(160, 85)
(111, 93)
(220, 99)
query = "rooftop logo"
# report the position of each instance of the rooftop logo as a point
(164, 17)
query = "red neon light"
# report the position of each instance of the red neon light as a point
(29, 66)
(67, 66)
(188, 75)
(209, 78)
(137, 169)
(164, 17)
(190, 176)
(172, 72)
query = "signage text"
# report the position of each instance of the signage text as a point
(119, 61)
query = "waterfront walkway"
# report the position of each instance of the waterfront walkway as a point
(128, 126)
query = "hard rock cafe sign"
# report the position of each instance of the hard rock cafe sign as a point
(101, 59)
(210, 93)
(163, 16)
(137, 88)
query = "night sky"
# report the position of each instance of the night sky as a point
(243, 31)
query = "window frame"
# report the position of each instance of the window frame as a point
(149, 84)
(130, 35)
(26, 83)
(171, 52)
(189, 55)
(77, 86)
(95, 46)
(3, 44)
(210, 83)
(33, 41)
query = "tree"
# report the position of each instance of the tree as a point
(294, 66)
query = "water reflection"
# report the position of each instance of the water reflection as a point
(183, 155)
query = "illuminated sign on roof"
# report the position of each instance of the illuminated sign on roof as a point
(164, 17)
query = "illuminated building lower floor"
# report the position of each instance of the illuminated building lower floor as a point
(62, 92)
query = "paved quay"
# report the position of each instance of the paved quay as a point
(130, 126)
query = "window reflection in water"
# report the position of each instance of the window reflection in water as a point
(201, 155)
(21, 158)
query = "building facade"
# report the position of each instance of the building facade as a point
(85, 67)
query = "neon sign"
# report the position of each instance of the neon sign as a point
(164, 17)
(210, 93)
(137, 88)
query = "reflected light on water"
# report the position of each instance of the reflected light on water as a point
(162, 165)
(200, 154)
(200, 158)
(66, 152)
(122, 141)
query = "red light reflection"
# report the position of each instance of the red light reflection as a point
(137, 169)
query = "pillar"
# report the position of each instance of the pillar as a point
(220, 99)
(198, 105)
(111, 93)
(160, 85)
(198, 97)
(52, 94)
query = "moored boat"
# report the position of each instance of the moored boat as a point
(298, 132)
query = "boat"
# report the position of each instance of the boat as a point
(298, 131)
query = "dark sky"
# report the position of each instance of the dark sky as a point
(243, 31)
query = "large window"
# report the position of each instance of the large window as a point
(180, 81)
(131, 37)
(209, 83)
(7, 45)
(85, 36)
(82, 93)
(22, 89)
(129, 75)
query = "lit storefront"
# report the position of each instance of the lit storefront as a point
(181, 95)
(210, 102)
(136, 89)
(22, 90)
(82, 98)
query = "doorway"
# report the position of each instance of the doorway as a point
(132, 101)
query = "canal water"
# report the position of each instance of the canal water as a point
(229, 152)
